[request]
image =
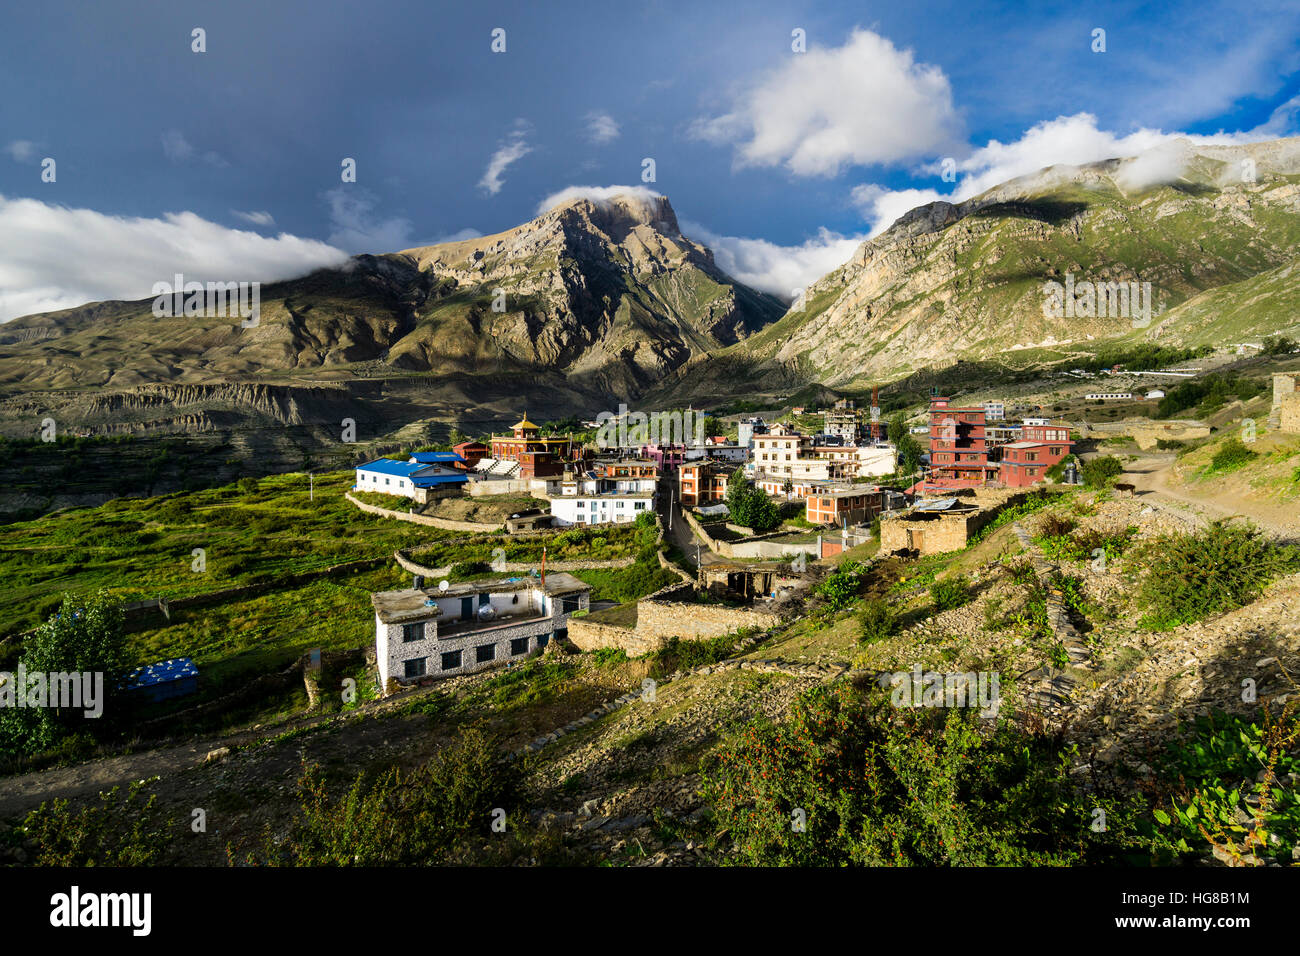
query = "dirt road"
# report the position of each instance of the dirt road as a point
(1151, 477)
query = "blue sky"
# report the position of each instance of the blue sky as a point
(228, 161)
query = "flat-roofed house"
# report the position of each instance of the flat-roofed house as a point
(433, 632)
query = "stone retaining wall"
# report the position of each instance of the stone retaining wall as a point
(515, 566)
(445, 523)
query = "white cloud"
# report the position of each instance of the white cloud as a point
(22, 150)
(598, 194)
(601, 127)
(514, 148)
(180, 150)
(1066, 141)
(881, 207)
(257, 217)
(354, 226)
(864, 103)
(57, 258)
(777, 269)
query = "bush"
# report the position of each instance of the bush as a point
(124, 831)
(467, 569)
(1217, 569)
(878, 786)
(1100, 472)
(877, 621)
(677, 654)
(950, 593)
(247, 486)
(1231, 455)
(434, 814)
(840, 589)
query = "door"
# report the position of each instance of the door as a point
(467, 608)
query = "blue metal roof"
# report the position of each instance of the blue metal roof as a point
(424, 481)
(431, 457)
(161, 673)
(390, 466)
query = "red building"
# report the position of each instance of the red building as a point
(538, 457)
(472, 452)
(959, 455)
(1026, 461)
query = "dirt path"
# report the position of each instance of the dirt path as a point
(26, 791)
(1151, 477)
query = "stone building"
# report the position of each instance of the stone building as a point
(424, 632)
(1284, 414)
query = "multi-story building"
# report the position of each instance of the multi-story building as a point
(1026, 461)
(959, 457)
(703, 483)
(995, 436)
(610, 492)
(747, 428)
(994, 411)
(843, 423)
(459, 628)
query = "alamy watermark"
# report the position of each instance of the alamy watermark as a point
(1125, 300)
(214, 300)
(65, 690)
(626, 429)
(980, 689)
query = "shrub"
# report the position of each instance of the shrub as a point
(466, 569)
(677, 654)
(1231, 456)
(1224, 566)
(1055, 526)
(125, 831)
(433, 814)
(950, 593)
(247, 486)
(1216, 769)
(1100, 472)
(883, 786)
(877, 621)
(840, 589)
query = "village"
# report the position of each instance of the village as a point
(842, 487)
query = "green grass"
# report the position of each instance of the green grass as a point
(143, 548)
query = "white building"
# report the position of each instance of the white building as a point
(994, 411)
(1156, 393)
(1108, 396)
(423, 475)
(433, 632)
(616, 492)
(608, 508)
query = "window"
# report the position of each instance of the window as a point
(386, 481)
(412, 632)
(543, 640)
(484, 653)
(518, 645)
(570, 604)
(450, 660)
(415, 667)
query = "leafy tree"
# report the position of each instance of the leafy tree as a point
(910, 451)
(81, 637)
(749, 506)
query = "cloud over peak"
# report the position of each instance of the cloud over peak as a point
(864, 103)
